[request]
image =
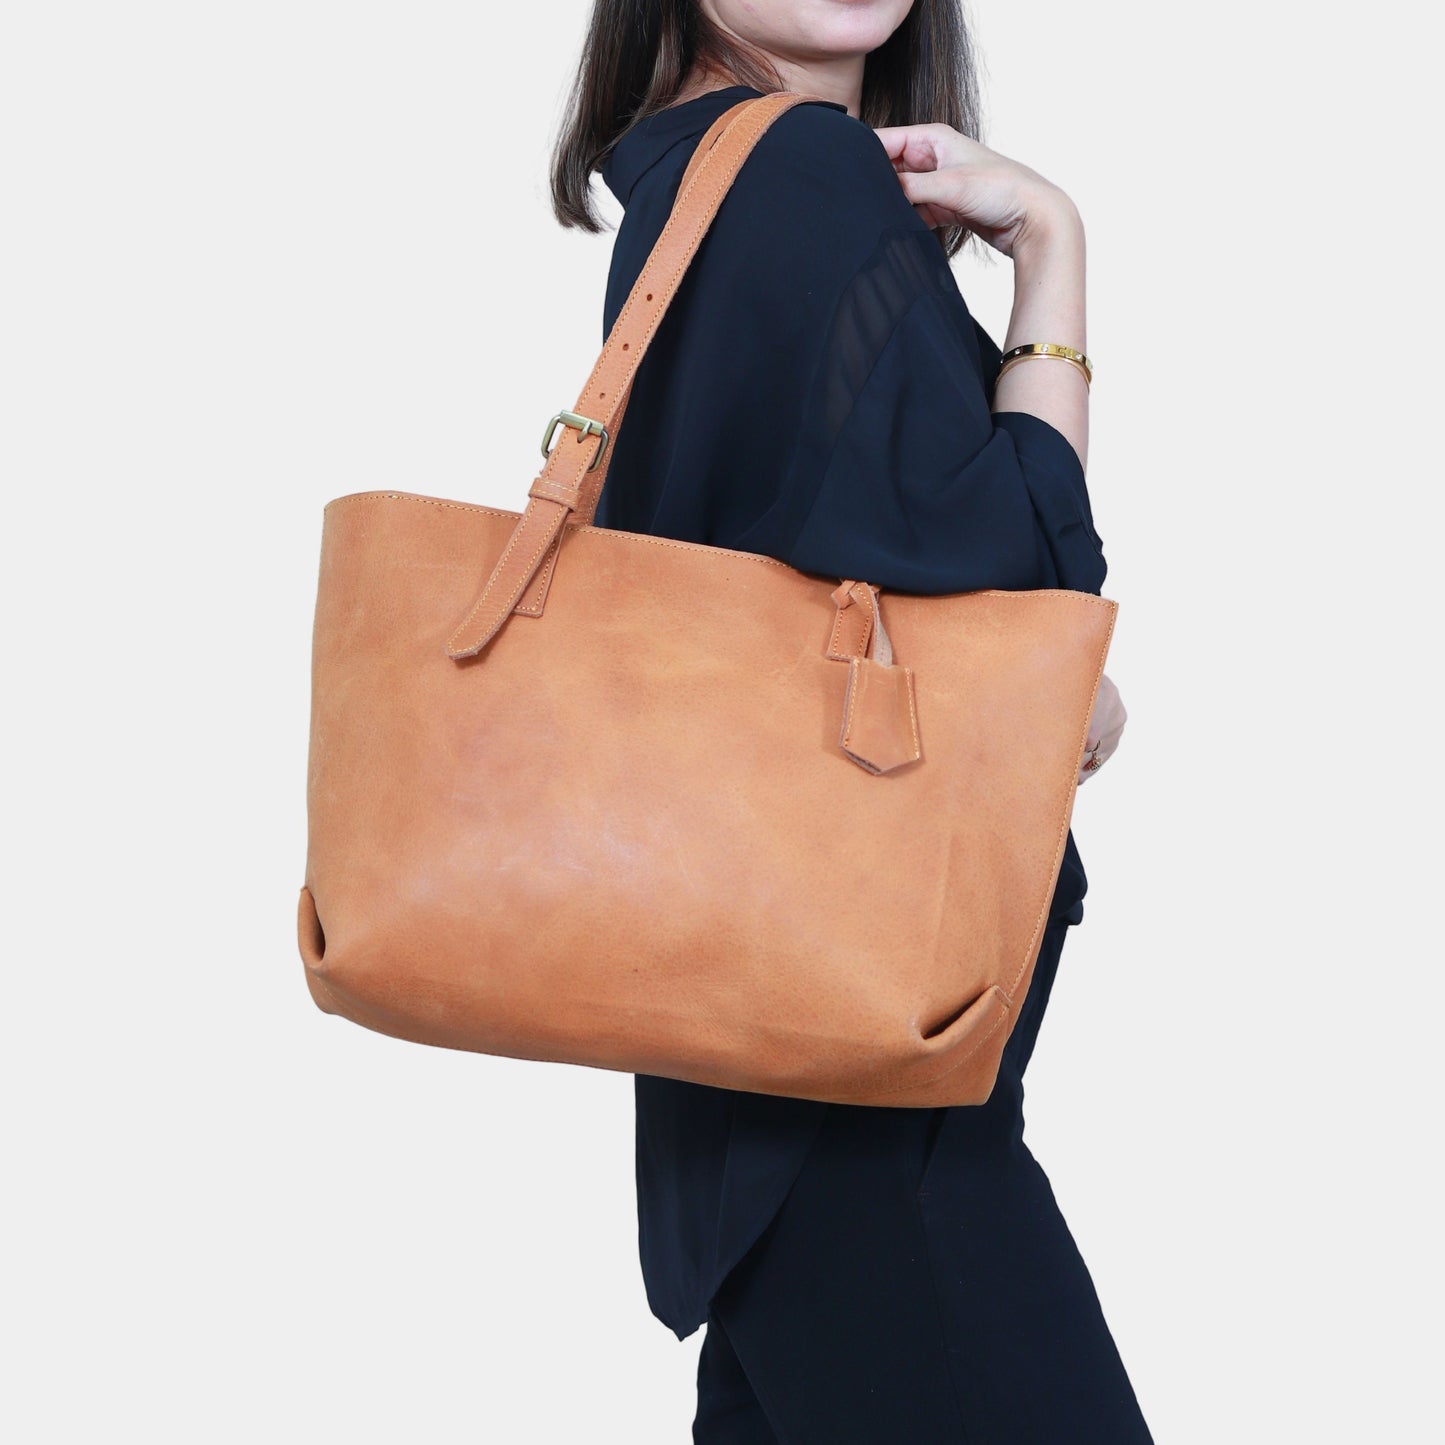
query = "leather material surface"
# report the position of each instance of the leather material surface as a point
(689, 812)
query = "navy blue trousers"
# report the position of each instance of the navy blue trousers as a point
(918, 1284)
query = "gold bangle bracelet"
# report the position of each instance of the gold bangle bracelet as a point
(1032, 349)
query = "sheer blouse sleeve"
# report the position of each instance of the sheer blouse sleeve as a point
(901, 474)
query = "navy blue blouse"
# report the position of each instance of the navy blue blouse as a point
(817, 392)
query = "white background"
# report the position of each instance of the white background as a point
(257, 256)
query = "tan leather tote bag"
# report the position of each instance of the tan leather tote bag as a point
(676, 809)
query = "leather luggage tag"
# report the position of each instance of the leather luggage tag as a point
(880, 717)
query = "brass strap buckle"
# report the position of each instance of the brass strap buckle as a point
(584, 424)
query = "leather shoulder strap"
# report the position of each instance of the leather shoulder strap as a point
(708, 140)
(593, 481)
(560, 488)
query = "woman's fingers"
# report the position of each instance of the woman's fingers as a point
(953, 180)
(942, 198)
(923, 147)
(1106, 727)
(1109, 713)
(932, 188)
(982, 198)
(894, 138)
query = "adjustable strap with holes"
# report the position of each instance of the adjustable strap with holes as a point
(534, 597)
(563, 487)
(592, 489)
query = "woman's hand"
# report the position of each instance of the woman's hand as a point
(953, 180)
(1105, 728)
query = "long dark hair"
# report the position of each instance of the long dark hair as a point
(637, 54)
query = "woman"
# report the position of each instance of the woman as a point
(871, 1275)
